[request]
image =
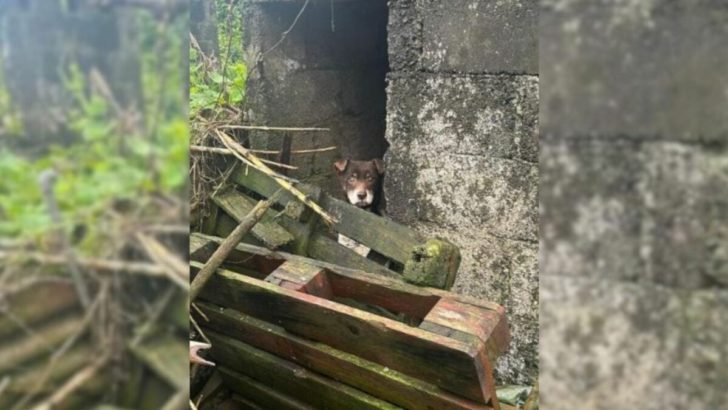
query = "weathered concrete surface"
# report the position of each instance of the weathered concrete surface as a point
(461, 151)
(634, 195)
(645, 212)
(462, 124)
(637, 69)
(461, 166)
(607, 342)
(464, 36)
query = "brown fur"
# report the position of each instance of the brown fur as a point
(361, 182)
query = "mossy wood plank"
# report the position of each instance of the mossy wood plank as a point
(354, 274)
(35, 304)
(295, 381)
(266, 230)
(327, 249)
(381, 234)
(370, 377)
(260, 393)
(445, 362)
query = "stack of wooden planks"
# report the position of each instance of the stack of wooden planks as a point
(298, 321)
(291, 332)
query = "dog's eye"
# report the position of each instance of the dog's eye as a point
(352, 179)
(369, 178)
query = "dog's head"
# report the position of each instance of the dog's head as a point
(359, 179)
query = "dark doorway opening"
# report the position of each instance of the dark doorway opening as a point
(328, 71)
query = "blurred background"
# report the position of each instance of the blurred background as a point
(93, 204)
(633, 195)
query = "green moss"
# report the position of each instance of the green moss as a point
(434, 264)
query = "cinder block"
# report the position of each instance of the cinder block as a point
(637, 211)
(644, 70)
(471, 36)
(612, 342)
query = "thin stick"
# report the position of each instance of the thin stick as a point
(267, 128)
(225, 151)
(244, 155)
(90, 263)
(218, 257)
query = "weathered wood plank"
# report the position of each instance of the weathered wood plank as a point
(370, 377)
(444, 362)
(301, 277)
(239, 206)
(355, 274)
(429, 262)
(263, 395)
(490, 326)
(281, 375)
(383, 235)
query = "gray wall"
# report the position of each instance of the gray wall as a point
(634, 195)
(462, 124)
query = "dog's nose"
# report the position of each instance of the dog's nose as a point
(361, 195)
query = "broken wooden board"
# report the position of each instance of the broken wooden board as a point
(317, 246)
(429, 262)
(206, 244)
(377, 380)
(280, 375)
(266, 230)
(456, 365)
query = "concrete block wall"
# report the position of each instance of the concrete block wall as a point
(462, 163)
(634, 204)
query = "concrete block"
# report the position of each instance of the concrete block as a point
(471, 36)
(644, 70)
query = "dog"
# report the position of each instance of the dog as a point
(361, 182)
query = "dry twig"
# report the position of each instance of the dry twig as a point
(244, 155)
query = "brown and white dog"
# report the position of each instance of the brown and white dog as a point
(361, 182)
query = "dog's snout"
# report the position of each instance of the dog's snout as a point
(361, 194)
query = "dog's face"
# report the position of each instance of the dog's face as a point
(359, 180)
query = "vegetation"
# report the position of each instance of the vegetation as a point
(114, 153)
(219, 79)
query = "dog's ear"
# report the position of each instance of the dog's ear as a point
(379, 165)
(340, 165)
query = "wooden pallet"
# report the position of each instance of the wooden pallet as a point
(402, 252)
(402, 344)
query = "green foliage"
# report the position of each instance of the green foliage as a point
(210, 87)
(108, 160)
(10, 123)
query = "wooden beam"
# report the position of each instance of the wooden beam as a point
(377, 380)
(451, 364)
(303, 385)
